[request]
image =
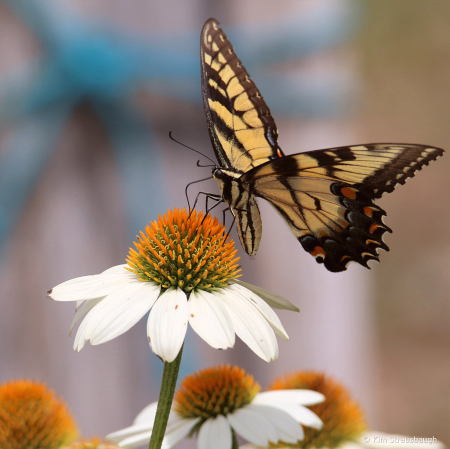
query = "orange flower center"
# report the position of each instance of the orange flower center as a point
(184, 251)
(215, 391)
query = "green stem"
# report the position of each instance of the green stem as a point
(168, 384)
(235, 444)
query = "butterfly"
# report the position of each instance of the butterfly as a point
(325, 196)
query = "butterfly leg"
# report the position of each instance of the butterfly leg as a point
(217, 198)
(208, 195)
(232, 223)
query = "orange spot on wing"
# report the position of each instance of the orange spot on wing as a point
(369, 211)
(348, 192)
(318, 251)
(371, 241)
(344, 257)
(373, 227)
(280, 154)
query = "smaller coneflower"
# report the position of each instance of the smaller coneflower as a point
(93, 443)
(32, 417)
(344, 425)
(219, 402)
(184, 270)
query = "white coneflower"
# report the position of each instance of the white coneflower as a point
(219, 402)
(183, 270)
(344, 425)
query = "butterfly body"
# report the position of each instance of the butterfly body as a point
(243, 206)
(325, 196)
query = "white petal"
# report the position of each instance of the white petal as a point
(80, 337)
(215, 433)
(136, 440)
(83, 310)
(389, 440)
(101, 315)
(253, 426)
(176, 432)
(274, 300)
(121, 310)
(90, 287)
(264, 308)
(167, 324)
(302, 397)
(209, 318)
(288, 429)
(250, 325)
(147, 414)
(301, 414)
(134, 430)
(141, 430)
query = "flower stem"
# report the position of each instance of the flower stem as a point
(235, 444)
(168, 383)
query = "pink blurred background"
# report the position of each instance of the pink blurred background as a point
(384, 333)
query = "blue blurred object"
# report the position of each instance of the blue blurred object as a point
(95, 63)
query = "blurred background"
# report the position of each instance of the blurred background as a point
(89, 91)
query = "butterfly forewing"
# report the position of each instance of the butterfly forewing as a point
(241, 127)
(326, 196)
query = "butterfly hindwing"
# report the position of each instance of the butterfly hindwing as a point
(242, 130)
(326, 196)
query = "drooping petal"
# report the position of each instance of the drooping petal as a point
(80, 337)
(134, 430)
(147, 414)
(263, 307)
(302, 397)
(121, 310)
(176, 431)
(167, 324)
(251, 326)
(103, 316)
(253, 426)
(209, 318)
(136, 440)
(288, 429)
(90, 287)
(300, 413)
(82, 311)
(215, 433)
(274, 300)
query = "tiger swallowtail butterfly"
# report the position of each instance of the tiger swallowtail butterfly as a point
(325, 196)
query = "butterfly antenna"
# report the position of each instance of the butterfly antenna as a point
(203, 166)
(204, 155)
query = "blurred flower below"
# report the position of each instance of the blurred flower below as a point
(216, 403)
(344, 424)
